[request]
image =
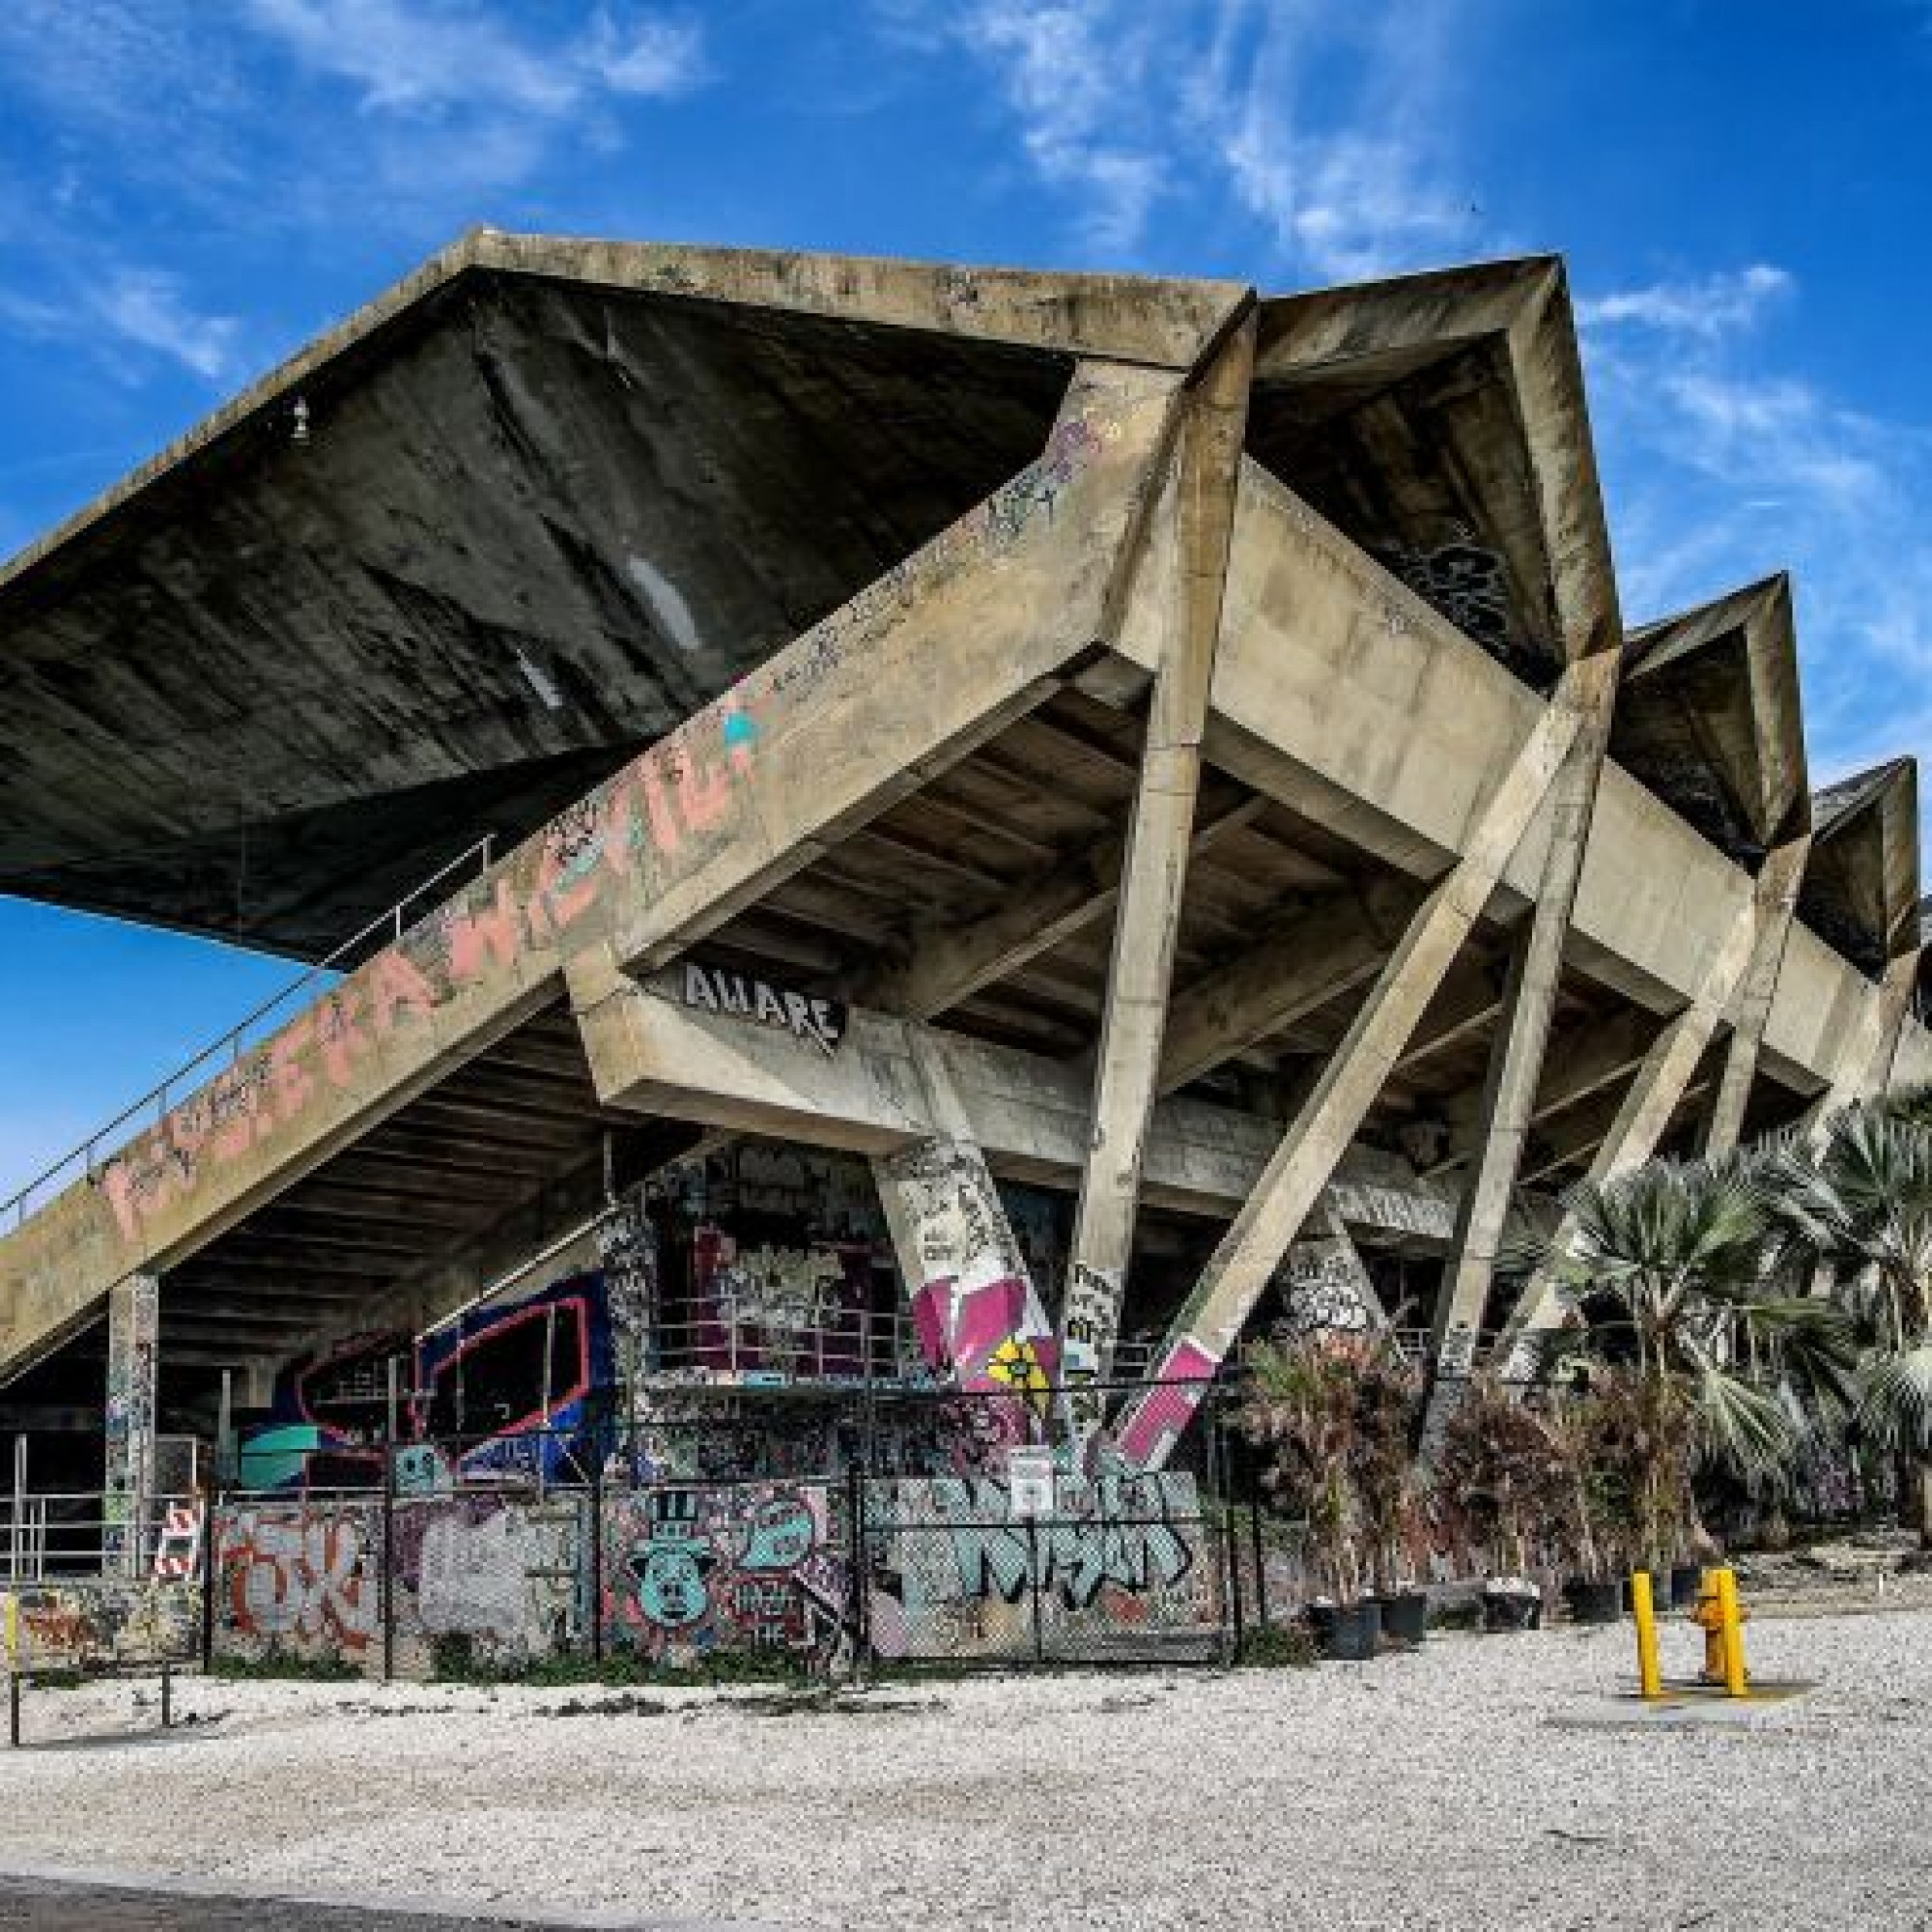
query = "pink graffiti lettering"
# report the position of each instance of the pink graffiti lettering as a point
(1164, 1413)
(396, 982)
(495, 934)
(295, 1084)
(341, 1041)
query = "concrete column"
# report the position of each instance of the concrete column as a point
(133, 1335)
(1240, 1270)
(1516, 1063)
(1863, 1066)
(973, 1302)
(1774, 898)
(1154, 877)
(1644, 1114)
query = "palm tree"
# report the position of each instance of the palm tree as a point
(1862, 1203)
(1676, 1268)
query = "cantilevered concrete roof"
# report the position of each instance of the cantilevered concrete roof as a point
(1708, 717)
(1860, 889)
(554, 497)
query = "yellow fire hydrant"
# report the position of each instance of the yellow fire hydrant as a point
(1722, 1620)
(1721, 1617)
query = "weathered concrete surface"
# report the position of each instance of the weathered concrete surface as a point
(555, 495)
(1341, 692)
(652, 1050)
(841, 722)
(652, 467)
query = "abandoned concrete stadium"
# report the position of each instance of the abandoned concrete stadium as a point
(909, 827)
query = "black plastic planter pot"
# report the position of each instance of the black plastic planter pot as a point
(1593, 1603)
(1404, 1615)
(1511, 1613)
(1349, 1632)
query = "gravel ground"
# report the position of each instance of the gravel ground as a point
(1470, 1784)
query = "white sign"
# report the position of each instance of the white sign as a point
(1030, 1483)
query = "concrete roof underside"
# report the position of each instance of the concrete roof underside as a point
(553, 499)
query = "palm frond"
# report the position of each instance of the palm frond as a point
(1895, 1405)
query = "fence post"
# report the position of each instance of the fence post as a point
(210, 1531)
(1230, 1542)
(857, 1569)
(386, 1593)
(1033, 1589)
(596, 1581)
(1261, 1613)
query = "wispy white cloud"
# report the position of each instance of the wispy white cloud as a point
(1123, 105)
(121, 307)
(1721, 466)
(149, 310)
(1073, 73)
(1710, 306)
(420, 57)
(1332, 127)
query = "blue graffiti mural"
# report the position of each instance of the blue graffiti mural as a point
(504, 1392)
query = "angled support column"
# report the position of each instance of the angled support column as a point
(133, 1341)
(1774, 898)
(1659, 1085)
(1141, 969)
(974, 1303)
(1515, 1059)
(1864, 1066)
(1211, 1320)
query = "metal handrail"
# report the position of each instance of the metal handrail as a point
(231, 1041)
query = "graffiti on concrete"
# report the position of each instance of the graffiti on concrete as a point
(959, 1576)
(693, 1571)
(1322, 1292)
(300, 1578)
(1464, 582)
(1159, 1418)
(133, 1330)
(102, 1624)
(711, 989)
(770, 1313)
(501, 1576)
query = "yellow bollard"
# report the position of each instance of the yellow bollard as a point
(1649, 1679)
(1735, 1678)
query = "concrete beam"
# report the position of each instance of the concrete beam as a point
(653, 1053)
(947, 960)
(1306, 959)
(133, 1347)
(975, 1305)
(1343, 695)
(1775, 900)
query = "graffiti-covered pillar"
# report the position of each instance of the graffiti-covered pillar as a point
(978, 1314)
(133, 1334)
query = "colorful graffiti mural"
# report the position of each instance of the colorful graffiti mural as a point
(96, 1624)
(299, 1580)
(1122, 1559)
(694, 1571)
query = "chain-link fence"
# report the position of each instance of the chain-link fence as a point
(836, 1530)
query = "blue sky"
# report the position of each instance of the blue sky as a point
(190, 189)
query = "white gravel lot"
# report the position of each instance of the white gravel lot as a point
(1451, 1788)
